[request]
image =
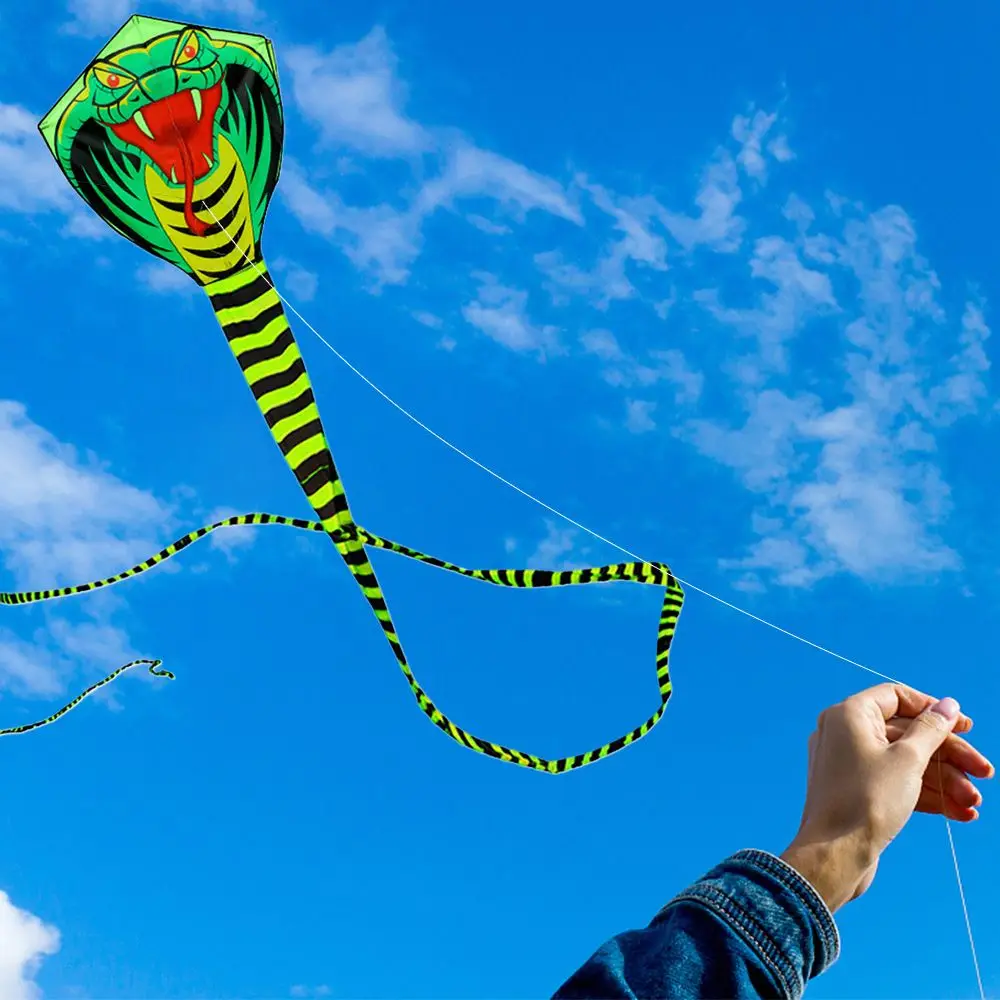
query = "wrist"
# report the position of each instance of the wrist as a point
(836, 868)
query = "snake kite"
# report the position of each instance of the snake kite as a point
(173, 135)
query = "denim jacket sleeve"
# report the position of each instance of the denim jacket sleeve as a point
(751, 927)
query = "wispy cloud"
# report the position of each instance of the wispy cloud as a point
(639, 416)
(378, 239)
(64, 519)
(356, 100)
(299, 281)
(30, 181)
(25, 941)
(847, 471)
(559, 548)
(501, 313)
(750, 132)
(717, 224)
(92, 18)
(620, 368)
(300, 990)
(634, 242)
(428, 319)
(799, 294)
(230, 540)
(472, 172)
(164, 279)
(96, 17)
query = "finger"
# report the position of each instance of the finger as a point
(963, 725)
(954, 750)
(965, 757)
(945, 779)
(893, 699)
(932, 804)
(928, 732)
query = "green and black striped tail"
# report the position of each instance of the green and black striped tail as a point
(250, 312)
(636, 572)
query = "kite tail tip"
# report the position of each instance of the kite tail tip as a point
(157, 669)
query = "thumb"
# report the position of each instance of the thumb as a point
(931, 728)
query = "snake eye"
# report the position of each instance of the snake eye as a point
(112, 77)
(187, 49)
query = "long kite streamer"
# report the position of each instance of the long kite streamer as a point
(173, 135)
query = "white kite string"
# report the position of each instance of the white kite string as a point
(607, 541)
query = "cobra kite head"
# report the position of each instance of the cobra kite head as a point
(173, 135)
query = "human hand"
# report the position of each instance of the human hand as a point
(874, 759)
(947, 788)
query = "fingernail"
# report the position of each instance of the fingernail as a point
(947, 707)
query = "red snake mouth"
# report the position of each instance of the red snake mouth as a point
(176, 134)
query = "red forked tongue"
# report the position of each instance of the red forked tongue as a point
(194, 223)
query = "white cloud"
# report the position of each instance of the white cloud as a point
(165, 279)
(608, 280)
(622, 369)
(673, 368)
(716, 225)
(763, 449)
(65, 520)
(384, 240)
(301, 990)
(230, 540)
(25, 941)
(354, 97)
(29, 669)
(30, 180)
(800, 294)
(316, 213)
(97, 17)
(471, 172)
(428, 319)
(603, 344)
(848, 471)
(301, 283)
(501, 313)
(92, 18)
(779, 148)
(487, 226)
(356, 100)
(639, 416)
(246, 10)
(964, 388)
(379, 239)
(750, 133)
(558, 551)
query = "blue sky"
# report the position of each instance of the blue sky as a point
(714, 282)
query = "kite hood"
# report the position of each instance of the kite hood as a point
(173, 135)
